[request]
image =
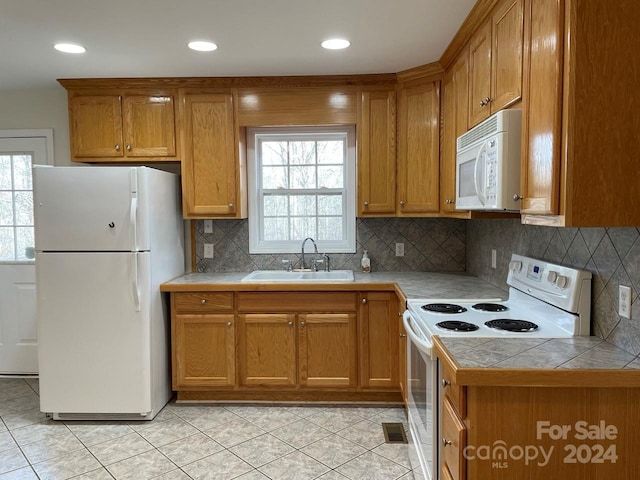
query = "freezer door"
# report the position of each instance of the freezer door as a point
(94, 332)
(86, 208)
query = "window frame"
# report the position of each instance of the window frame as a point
(257, 244)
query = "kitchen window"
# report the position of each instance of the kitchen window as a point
(301, 184)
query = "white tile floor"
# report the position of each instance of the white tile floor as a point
(199, 442)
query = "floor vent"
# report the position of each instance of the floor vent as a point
(394, 433)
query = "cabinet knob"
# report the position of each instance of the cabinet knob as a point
(291, 324)
(517, 197)
(402, 335)
(446, 442)
(364, 300)
(117, 147)
(402, 203)
(231, 205)
(445, 383)
(128, 148)
(228, 324)
(366, 204)
(488, 100)
(203, 301)
(482, 103)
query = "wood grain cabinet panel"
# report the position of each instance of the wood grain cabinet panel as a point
(328, 349)
(204, 351)
(149, 126)
(267, 349)
(480, 74)
(376, 132)
(402, 352)
(418, 149)
(378, 340)
(96, 126)
(453, 442)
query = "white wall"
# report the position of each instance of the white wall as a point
(41, 108)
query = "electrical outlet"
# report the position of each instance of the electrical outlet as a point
(208, 250)
(208, 226)
(494, 258)
(399, 249)
(624, 301)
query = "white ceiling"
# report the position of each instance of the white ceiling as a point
(147, 38)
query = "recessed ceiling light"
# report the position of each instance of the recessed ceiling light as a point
(202, 46)
(69, 48)
(335, 44)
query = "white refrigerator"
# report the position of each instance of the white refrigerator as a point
(105, 239)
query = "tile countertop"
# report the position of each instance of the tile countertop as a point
(412, 284)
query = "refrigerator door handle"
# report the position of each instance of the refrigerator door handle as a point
(133, 220)
(134, 283)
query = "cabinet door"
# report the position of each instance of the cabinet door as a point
(204, 353)
(378, 340)
(210, 173)
(377, 152)
(267, 349)
(418, 149)
(480, 75)
(456, 104)
(149, 126)
(96, 126)
(506, 54)
(328, 349)
(454, 438)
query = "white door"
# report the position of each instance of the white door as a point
(18, 340)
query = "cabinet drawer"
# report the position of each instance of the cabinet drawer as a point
(453, 441)
(268, 302)
(203, 302)
(455, 393)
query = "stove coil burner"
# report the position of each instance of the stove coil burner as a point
(490, 307)
(511, 325)
(457, 326)
(443, 308)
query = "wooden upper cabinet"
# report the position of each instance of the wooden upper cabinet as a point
(267, 349)
(213, 166)
(328, 349)
(418, 149)
(495, 61)
(376, 130)
(123, 127)
(379, 332)
(454, 115)
(204, 351)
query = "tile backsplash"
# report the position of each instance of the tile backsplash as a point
(612, 255)
(430, 244)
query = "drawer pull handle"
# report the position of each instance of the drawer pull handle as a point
(446, 442)
(203, 301)
(445, 383)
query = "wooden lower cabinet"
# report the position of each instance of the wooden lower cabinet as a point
(204, 351)
(328, 350)
(453, 441)
(267, 349)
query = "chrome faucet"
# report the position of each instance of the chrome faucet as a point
(315, 248)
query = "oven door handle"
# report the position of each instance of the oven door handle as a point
(418, 339)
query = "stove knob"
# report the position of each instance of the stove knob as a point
(562, 281)
(552, 276)
(515, 266)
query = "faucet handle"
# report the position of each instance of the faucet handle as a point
(326, 259)
(319, 262)
(286, 263)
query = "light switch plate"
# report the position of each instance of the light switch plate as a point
(208, 226)
(624, 301)
(208, 250)
(399, 249)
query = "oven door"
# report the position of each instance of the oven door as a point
(421, 401)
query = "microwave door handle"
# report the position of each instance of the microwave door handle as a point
(479, 192)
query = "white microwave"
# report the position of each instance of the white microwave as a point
(488, 164)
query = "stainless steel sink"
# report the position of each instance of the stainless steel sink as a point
(294, 277)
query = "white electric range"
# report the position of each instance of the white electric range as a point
(545, 301)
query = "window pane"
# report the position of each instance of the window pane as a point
(329, 204)
(330, 177)
(275, 205)
(6, 208)
(274, 153)
(303, 177)
(302, 153)
(24, 208)
(302, 205)
(303, 227)
(5, 172)
(276, 228)
(329, 228)
(24, 236)
(22, 172)
(6, 244)
(274, 177)
(331, 151)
